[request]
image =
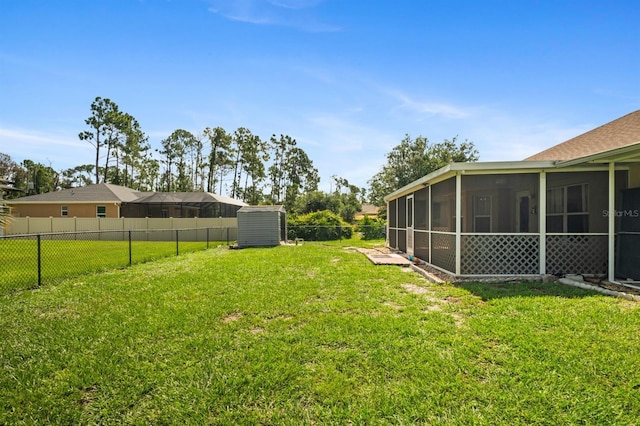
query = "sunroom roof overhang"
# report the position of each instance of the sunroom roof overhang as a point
(450, 170)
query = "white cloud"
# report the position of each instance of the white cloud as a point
(343, 145)
(33, 138)
(296, 14)
(63, 151)
(295, 4)
(423, 109)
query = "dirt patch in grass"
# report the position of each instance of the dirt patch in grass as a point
(89, 395)
(437, 304)
(415, 289)
(428, 294)
(235, 316)
(393, 305)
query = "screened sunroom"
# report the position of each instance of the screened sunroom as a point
(573, 208)
(512, 218)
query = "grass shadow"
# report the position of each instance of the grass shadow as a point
(498, 290)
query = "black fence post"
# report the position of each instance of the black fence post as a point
(208, 237)
(130, 257)
(227, 236)
(39, 260)
(177, 248)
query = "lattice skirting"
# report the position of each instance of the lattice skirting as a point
(421, 245)
(510, 254)
(443, 251)
(500, 254)
(577, 254)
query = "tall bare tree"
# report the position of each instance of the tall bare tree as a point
(103, 113)
(219, 154)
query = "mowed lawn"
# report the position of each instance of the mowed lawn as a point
(312, 334)
(61, 259)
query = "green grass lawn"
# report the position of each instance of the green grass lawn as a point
(68, 258)
(312, 334)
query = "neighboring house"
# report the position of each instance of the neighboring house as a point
(368, 210)
(7, 187)
(564, 210)
(107, 200)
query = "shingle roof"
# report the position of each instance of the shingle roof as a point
(369, 209)
(100, 193)
(618, 133)
(109, 193)
(185, 197)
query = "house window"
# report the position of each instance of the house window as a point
(568, 209)
(482, 214)
(101, 211)
(64, 211)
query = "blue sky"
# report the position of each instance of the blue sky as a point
(347, 79)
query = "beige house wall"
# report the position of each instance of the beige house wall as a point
(55, 210)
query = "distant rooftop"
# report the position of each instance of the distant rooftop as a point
(109, 193)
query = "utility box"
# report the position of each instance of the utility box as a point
(261, 226)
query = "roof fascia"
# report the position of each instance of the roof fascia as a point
(449, 170)
(423, 181)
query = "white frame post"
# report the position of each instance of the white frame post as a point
(542, 221)
(429, 225)
(612, 221)
(458, 222)
(410, 230)
(386, 242)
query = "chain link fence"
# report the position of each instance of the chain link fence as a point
(31, 260)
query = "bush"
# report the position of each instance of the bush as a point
(371, 229)
(319, 226)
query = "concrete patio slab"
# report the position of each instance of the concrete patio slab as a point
(387, 259)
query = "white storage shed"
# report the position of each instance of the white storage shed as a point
(261, 226)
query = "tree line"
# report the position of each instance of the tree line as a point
(240, 164)
(274, 171)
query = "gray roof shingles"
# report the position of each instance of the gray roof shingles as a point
(103, 192)
(109, 193)
(618, 133)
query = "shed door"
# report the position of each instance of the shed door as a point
(628, 256)
(410, 225)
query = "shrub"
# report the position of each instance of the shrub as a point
(319, 226)
(371, 229)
